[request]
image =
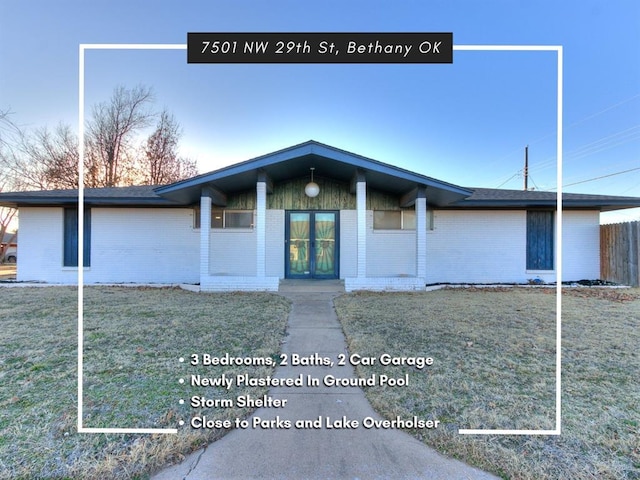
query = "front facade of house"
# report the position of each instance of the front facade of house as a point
(248, 226)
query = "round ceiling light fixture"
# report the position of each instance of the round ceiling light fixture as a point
(312, 189)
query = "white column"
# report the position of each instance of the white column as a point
(205, 235)
(261, 229)
(421, 234)
(361, 208)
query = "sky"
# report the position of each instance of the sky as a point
(466, 123)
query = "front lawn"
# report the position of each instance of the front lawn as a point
(494, 368)
(133, 340)
(494, 361)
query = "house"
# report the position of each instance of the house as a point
(252, 224)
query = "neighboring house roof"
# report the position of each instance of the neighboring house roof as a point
(295, 162)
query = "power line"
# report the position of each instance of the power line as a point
(599, 178)
(534, 183)
(577, 122)
(623, 136)
(632, 187)
(511, 177)
(544, 164)
(605, 110)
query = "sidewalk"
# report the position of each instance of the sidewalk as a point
(325, 453)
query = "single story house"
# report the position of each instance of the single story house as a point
(250, 225)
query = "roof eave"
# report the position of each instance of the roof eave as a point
(37, 201)
(530, 204)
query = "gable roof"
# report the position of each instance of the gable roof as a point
(331, 162)
(296, 161)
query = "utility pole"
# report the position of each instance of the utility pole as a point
(526, 168)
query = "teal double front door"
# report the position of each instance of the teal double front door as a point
(312, 249)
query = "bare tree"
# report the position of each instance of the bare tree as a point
(44, 159)
(7, 129)
(161, 163)
(110, 134)
(41, 160)
(62, 151)
(50, 159)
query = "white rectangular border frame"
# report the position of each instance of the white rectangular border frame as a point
(81, 132)
(559, 87)
(82, 49)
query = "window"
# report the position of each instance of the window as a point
(540, 240)
(217, 218)
(232, 219)
(70, 247)
(226, 218)
(394, 220)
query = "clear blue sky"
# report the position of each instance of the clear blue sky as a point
(465, 123)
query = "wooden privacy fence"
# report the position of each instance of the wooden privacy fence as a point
(620, 253)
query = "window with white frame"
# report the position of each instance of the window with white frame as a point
(221, 218)
(394, 220)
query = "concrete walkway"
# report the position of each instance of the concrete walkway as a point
(322, 453)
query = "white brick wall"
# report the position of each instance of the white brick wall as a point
(275, 243)
(348, 243)
(40, 246)
(390, 253)
(143, 245)
(581, 245)
(362, 220)
(261, 230)
(205, 236)
(233, 252)
(421, 236)
(490, 247)
(152, 245)
(380, 284)
(246, 284)
(147, 245)
(476, 246)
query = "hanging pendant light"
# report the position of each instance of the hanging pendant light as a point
(312, 189)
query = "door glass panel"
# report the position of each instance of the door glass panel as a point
(325, 242)
(299, 244)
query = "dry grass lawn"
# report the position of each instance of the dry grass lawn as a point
(494, 368)
(494, 360)
(133, 339)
